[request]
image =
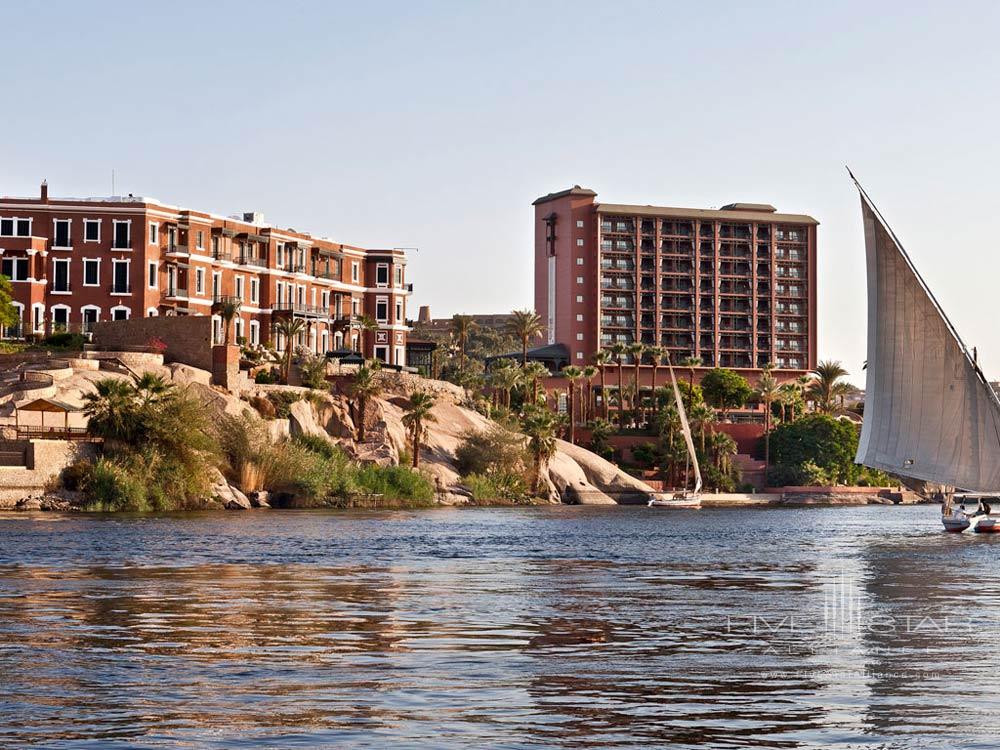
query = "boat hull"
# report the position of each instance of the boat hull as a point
(987, 525)
(676, 501)
(956, 525)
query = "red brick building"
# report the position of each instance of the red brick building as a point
(76, 261)
(735, 287)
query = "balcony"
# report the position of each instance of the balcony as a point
(302, 311)
(176, 291)
(178, 250)
(249, 260)
(223, 257)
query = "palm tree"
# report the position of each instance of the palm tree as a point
(229, 308)
(690, 363)
(657, 354)
(417, 412)
(289, 328)
(601, 358)
(788, 394)
(461, 327)
(152, 388)
(701, 417)
(768, 392)
(539, 424)
(367, 385)
(111, 410)
(636, 350)
(827, 385)
(532, 373)
(618, 351)
(588, 402)
(723, 450)
(524, 325)
(572, 374)
(505, 378)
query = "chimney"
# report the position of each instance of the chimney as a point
(45, 191)
(424, 316)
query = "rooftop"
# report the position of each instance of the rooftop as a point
(730, 212)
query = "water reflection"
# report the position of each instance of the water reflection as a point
(579, 627)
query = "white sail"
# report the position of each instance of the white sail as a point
(686, 430)
(929, 412)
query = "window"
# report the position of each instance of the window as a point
(15, 227)
(91, 230)
(301, 298)
(215, 247)
(216, 283)
(61, 235)
(579, 261)
(355, 272)
(382, 353)
(579, 337)
(579, 298)
(255, 290)
(382, 309)
(239, 328)
(399, 311)
(60, 275)
(6, 227)
(119, 277)
(579, 223)
(123, 235)
(579, 355)
(15, 269)
(154, 233)
(382, 275)
(200, 243)
(239, 287)
(281, 254)
(91, 271)
(254, 332)
(120, 313)
(199, 281)
(23, 227)
(579, 279)
(399, 276)
(152, 274)
(579, 318)
(91, 314)
(579, 243)
(325, 300)
(355, 307)
(60, 317)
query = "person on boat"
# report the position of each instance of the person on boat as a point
(959, 512)
(984, 507)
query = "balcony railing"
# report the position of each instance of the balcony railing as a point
(297, 309)
(121, 288)
(176, 290)
(219, 255)
(247, 260)
(219, 299)
(178, 250)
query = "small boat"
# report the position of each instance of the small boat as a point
(930, 413)
(685, 498)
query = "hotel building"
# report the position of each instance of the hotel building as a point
(735, 286)
(76, 261)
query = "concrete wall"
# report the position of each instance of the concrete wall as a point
(46, 459)
(188, 337)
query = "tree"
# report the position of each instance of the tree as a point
(368, 324)
(826, 385)
(690, 363)
(725, 389)
(826, 442)
(8, 313)
(289, 328)
(723, 450)
(461, 327)
(701, 418)
(539, 424)
(589, 372)
(601, 358)
(416, 413)
(229, 308)
(636, 350)
(572, 374)
(524, 325)
(768, 392)
(112, 410)
(531, 375)
(367, 385)
(658, 355)
(618, 351)
(504, 378)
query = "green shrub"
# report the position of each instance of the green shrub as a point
(66, 340)
(319, 444)
(76, 476)
(114, 487)
(394, 482)
(312, 371)
(265, 377)
(497, 448)
(501, 485)
(283, 401)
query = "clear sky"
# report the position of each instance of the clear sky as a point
(434, 125)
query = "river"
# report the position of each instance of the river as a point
(576, 627)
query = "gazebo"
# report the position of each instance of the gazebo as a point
(43, 406)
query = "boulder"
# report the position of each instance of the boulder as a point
(571, 483)
(185, 374)
(29, 503)
(302, 420)
(605, 476)
(238, 500)
(259, 499)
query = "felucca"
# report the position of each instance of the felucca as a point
(683, 499)
(930, 413)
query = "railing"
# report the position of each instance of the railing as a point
(62, 433)
(176, 290)
(178, 249)
(246, 260)
(220, 299)
(297, 309)
(121, 288)
(219, 255)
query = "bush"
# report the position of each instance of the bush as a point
(501, 485)
(266, 377)
(312, 371)
(114, 487)
(646, 455)
(394, 482)
(828, 444)
(264, 407)
(66, 340)
(283, 401)
(76, 476)
(498, 448)
(725, 389)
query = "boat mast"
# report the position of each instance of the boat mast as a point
(686, 431)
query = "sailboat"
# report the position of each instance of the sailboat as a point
(683, 499)
(930, 413)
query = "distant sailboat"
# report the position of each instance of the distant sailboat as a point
(930, 413)
(682, 499)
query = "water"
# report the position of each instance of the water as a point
(547, 627)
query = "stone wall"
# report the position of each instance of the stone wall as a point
(47, 459)
(188, 337)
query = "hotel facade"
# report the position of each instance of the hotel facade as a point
(76, 261)
(735, 286)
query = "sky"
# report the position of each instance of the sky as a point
(434, 125)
